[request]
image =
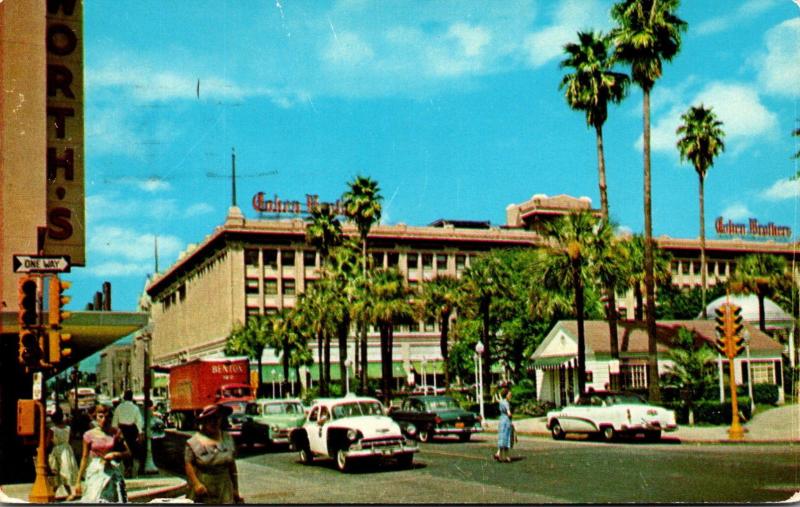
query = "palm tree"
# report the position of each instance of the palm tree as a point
(701, 142)
(323, 230)
(613, 271)
(314, 305)
(438, 300)
(590, 88)
(342, 270)
(635, 247)
(390, 304)
(572, 254)
(759, 274)
(250, 340)
(484, 280)
(284, 339)
(362, 203)
(648, 32)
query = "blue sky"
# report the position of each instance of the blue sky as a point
(453, 107)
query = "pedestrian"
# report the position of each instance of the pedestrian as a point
(61, 458)
(504, 429)
(210, 460)
(103, 449)
(128, 418)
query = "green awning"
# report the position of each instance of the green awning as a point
(431, 367)
(373, 370)
(551, 361)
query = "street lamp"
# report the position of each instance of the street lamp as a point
(424, 376)
(347, 363)
(746, 336)
(479, 374)
(148, 467)
(273, 384)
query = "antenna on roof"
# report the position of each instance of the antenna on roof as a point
(233, 177)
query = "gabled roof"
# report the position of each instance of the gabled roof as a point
(633, 337)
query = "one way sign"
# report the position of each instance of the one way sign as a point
(41, 264)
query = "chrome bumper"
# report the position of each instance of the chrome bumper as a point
(356, 451)
(457, 431)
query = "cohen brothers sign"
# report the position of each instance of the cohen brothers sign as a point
(753, 228)
(276, 205)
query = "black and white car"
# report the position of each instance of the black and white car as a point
(349, 429)
(611, 414)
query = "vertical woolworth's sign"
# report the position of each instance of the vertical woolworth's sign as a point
(66, 233)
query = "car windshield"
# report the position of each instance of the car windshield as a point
(283, 408)
(624, 399)
(357, 408)
(238, 408)
(442, 403)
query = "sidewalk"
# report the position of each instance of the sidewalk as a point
(780, 424)
(141, 489)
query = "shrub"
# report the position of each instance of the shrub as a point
(714, 412)
(535, 408)
(766, 393)
(522, 393)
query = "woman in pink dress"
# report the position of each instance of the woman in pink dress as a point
(103, 450)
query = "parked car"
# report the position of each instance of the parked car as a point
(436, 415)
(352, 428)
(269, 421)
(611, 414)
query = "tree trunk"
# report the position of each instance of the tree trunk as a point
(601, 173)
(384, 363)
(703, 281)
(486, 366)
(444, 328)
(327, 363)
(285, 361)
(320, 369)
(364, 360)
(578, 283)
(611, 315)
(649, 277)
(638, 312)
(343, 331)
(762, 321)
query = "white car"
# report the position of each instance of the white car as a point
(611, 414)
(352, 428)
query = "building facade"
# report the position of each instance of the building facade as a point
(114, 370)
(254, 267)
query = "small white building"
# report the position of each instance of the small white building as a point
(556, 358)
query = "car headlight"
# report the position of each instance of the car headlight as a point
(274, 428)
(411, 429)
(352, 435)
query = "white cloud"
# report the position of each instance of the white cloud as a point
(109, 269)
(746, 120)
(779, 70)
(782, 189)
(128, 245)
(736, 211)
(731, 17)
(198, 209)
(570, 16)
(472, 38)
(348, 49)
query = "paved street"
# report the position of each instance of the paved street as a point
(543, 471)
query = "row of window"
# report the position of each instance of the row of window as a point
(713, 268)
(272, 257)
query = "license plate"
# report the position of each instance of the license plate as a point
(459, 425)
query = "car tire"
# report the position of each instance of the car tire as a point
(306, 457)
(341, 460)
(608, 434)
(424, 436)
(406, 460)
(556, 431)
(464, 437)
(652, 436)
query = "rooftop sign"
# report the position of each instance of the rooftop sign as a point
(752, 229)
(277, 205)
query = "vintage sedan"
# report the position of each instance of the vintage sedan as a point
(270, 421)
(350, 429)
(436, 415)
(609, 415)
(233, 425)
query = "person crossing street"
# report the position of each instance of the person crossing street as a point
(128, 418)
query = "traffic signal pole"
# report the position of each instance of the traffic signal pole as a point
(729, 342)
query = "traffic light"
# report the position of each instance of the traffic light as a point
(29, 352)
(56, 351)
(721, 328)
(28, 290)
(57, 301)
(737, 326)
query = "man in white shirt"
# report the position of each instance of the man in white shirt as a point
(128, 418)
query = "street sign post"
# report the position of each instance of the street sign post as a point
(41, 264)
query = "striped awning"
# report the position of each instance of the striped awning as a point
(554, 362)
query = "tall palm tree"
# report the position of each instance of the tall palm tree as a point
(314, 305)
(483, 281)
(572, 255)
(648, 33)
(438, 300)
(342, 270)
(590, 88)
(701, 142)
(612, 270)
(283, 340)
(390, 304)
(250, 340)
(362, 204)
(759, 274)
(323, 230)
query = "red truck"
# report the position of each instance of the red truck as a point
(201, 382)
